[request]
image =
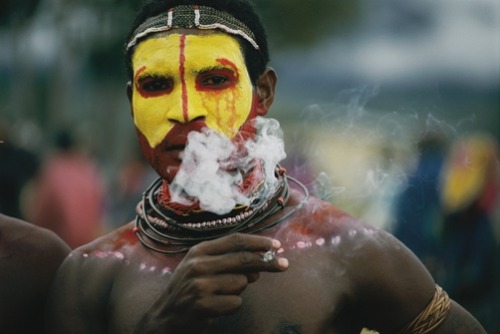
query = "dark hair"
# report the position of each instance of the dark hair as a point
(243, 10)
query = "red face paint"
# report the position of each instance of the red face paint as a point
(182, 71)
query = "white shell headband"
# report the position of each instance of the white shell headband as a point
(199, 17)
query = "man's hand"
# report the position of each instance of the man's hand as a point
(208, 282)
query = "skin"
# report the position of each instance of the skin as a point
(332, 273)
(29, 258)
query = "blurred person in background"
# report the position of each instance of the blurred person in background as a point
(18, 167)
(417, 209)
(29, 258)
(446, 216)
(68, 196)
(468, 253)
(135, 175)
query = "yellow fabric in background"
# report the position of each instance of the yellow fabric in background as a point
(467, 172)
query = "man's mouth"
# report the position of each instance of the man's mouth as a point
(176, 151)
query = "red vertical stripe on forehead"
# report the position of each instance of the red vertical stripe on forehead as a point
(182, 70)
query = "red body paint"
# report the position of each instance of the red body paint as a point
(126, 237)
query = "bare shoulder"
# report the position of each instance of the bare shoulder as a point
(319, 218)
(84, 282)
(388, 285)
(393, 288)
(33, 246)
(29, 258)
(98, 258)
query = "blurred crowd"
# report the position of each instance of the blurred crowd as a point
(65, 189)
(449, 216)
(448, 213)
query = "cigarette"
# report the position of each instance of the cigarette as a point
(268, 256)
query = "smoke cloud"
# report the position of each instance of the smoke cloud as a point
(212, 167)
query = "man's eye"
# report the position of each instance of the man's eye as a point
(156, 85)
(214, 81)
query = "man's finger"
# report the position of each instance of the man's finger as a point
(243, 262)
(234, 243)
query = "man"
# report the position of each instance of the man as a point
(29, 258)
(221, 243)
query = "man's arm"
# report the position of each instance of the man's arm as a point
(393, 288)
(459, 321)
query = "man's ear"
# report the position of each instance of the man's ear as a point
(265, 88)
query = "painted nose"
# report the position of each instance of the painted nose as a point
(185, 110)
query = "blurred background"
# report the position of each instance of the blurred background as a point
(391, 110)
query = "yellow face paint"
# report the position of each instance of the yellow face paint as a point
(180, 78)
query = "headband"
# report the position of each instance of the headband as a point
(199, 17)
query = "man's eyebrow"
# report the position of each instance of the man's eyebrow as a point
(144, 72)
(214, 68)
(225, 64)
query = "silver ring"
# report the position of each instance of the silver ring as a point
(268, 256)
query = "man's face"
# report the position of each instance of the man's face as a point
(182, 83)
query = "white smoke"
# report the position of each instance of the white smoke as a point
(206, 172)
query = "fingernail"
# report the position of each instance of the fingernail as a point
(276, 243)
(283, 263)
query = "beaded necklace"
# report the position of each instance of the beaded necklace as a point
(167, 232)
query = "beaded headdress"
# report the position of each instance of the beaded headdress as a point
(199, 17)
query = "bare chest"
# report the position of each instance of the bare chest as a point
(307, 298)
